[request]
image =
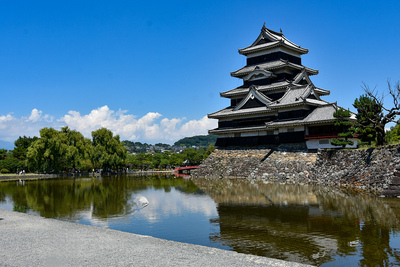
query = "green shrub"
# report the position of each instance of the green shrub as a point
(4, 171)
(20, 208)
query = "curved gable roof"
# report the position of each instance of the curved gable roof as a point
(253, 93)
(271, 39)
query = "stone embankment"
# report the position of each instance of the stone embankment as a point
(270, 164)
(375, 169)
(27, 177)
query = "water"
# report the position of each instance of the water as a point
(314, 225)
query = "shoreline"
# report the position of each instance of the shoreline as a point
(35, 177)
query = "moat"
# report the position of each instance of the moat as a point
(302, 223)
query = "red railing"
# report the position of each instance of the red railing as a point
(186, 168)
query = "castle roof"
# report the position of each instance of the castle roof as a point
(321, 114)
(243, 90)
(296, 96)
(270, 39)
(238, 130)
(273, 65)
(231, 112)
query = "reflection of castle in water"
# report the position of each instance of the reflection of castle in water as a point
(299, 223)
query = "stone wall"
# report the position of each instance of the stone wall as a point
(259, 164)
(375, 169)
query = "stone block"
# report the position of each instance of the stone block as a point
(396, 180)
(390, 193)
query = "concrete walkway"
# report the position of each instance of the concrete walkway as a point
(28, 240)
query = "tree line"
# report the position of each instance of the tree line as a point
(168, 160)
(64, 150)
(67, 150)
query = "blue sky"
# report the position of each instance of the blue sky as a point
(152, 70)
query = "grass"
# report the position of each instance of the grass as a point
(14, 174)
(373, 144)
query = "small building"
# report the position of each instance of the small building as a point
(277, 103)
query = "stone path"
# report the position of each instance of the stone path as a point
(28, 240)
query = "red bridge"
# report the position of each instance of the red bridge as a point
(186, 169)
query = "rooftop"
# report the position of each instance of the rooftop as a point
(269, 39)
(273, 65)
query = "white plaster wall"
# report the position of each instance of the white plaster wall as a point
(253, 134)
(315, 144)
(296, 129)
(226, 135)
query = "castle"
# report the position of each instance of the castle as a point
(277, 103)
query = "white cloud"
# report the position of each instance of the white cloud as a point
(151, 128)
(13, 127)
(35, 115)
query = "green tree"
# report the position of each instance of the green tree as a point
(46, 153)
(176, 160)
(373, 114)
(164, 163)
(193, 157)
(21, 146)
(368, 110)
(78, 148)
(144, 160)
(3, 153)
(57, 150)
(108, 151)
(12, 164)
(344, 128)
(156, 160)
(209, 150)
(199, 140)
(394, 134)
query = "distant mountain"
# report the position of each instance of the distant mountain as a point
(198, 140)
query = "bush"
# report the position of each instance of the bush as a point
(12, 164)
(20, 208)
(4, 171)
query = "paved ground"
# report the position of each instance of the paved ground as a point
(28, 240)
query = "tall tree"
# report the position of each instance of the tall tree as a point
(45, 153)
(21, 146)
(344, 128)
(3, 153)
(57, 150)
(108, 151)
(367, 108)
(78, 147)
(373, 114)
